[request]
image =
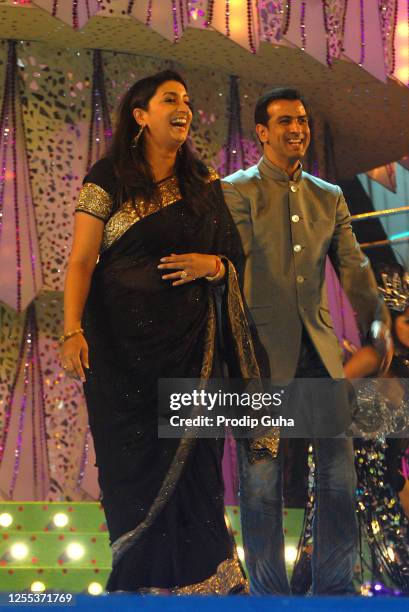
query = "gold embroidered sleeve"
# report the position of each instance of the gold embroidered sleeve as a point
(95, 201)
(213, 176)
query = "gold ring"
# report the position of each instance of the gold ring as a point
(183, 274)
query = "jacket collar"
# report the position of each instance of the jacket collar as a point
(267, 168)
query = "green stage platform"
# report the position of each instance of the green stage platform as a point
(35, 552)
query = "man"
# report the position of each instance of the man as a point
(289, 221)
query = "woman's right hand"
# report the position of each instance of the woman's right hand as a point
(74, 356)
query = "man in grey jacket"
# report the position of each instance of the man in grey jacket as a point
(289, 221)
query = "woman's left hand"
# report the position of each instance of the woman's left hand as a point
(188, 267)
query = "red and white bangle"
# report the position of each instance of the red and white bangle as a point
(219, 270)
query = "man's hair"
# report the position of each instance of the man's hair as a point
(278, 93)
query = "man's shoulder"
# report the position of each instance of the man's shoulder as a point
(242, 177)
(322, 185)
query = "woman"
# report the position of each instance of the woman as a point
(156, 218)
(393, 388)
(381, 407)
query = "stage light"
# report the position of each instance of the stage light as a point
(403, 74)
(94, 588)
(60, 519)
(290, 554)
(391, 553)
(19, 551)
(5, 519)
(240, 552)
(366, 589)
(402, 29)
(37, 587)
(75, 551)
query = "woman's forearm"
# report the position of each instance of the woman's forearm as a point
(76, 291)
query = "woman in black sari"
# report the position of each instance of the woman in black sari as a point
(156, 218)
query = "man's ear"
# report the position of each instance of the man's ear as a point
(262, 132)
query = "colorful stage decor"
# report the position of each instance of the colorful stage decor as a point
(75, 13)
(385, 175)
(21, 278)
(24, 466)
(169, 17)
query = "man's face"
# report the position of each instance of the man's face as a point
(287, 134)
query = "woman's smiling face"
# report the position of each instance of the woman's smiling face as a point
(168, 116)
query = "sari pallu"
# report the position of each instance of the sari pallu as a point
(163, 498)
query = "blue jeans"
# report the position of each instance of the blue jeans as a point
(335, 530)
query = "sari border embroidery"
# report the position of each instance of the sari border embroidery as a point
(269, 441)
(228, 579)
(95, 201)
(130, 213)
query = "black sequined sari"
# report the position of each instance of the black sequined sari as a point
(163, 498)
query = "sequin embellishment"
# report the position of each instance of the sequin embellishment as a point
(95, 201)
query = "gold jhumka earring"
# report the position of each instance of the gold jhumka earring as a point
(136, 138)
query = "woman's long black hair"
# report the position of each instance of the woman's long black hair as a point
(131, 166)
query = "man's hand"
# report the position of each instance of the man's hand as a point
(382, 342)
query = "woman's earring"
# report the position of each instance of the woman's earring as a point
(136, 138)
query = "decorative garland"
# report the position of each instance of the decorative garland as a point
(235, 158)
(97, 140)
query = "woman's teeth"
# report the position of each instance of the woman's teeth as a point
(179, 122)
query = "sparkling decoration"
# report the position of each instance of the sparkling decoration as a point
(388, 13)
(235, 150)
(148, 14)
(395, 290)
(130, 7)
(227, 18)
(334, 21)
(75, 13)
(383, 524)
(287, 17)
(271, 19)
(100, 130)
(250, 26)
(57, 111)
(362, 29)
(302, 26)
(19, 250)
(24, 472)
(210, 12)
(168, 18)
(381, 516)
(175, 22)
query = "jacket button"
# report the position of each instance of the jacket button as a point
(294, 188)
(295, 218)
(297, 248)
(300, 279)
